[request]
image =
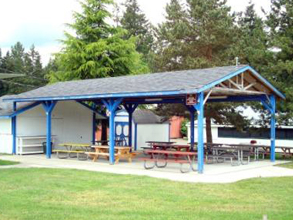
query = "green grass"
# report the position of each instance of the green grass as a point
(287, 165)
(7, 162)
(33, 194)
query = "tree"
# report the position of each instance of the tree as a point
(280, 22)
(199, 35)
(136, 23)
(252, 46)
(21, 62)
(98, 49)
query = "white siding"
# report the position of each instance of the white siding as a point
(5, 136)
(71, 122)
(151, 132)
(217, 139)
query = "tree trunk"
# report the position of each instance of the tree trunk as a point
(209, 136)
(104, 136)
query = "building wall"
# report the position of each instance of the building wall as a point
(5, 136)
(151, 132)
(146, 132)
(217, 139)
(71, 122)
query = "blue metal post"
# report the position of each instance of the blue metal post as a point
(130, 108)
(200, 127)
(13, 129)
(49, 106)
(191, 129)
(94, 129)
(112, 107)
(112, 137)
(135, 137)
(130, 129)
(273, 127)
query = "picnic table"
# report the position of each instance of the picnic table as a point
(73, 148)
(159, 156)
(106, 142)
(231, 152)
(286, 151)
(120, 152)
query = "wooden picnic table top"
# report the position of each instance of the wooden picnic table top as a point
(74, 145)
(107, 147)
(183, 153)
(160, 142)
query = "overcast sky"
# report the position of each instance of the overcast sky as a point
(41, 22)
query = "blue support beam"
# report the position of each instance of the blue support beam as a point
(13, 129)
(130, 108)
(92, 108)
(239, 98)
(49, 107)
(200, 142)
(22, 110)
(270, 105)
(135, 137)
(273, 127)
(112, 105)
(94, 129)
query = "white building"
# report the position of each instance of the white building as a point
(71, 122)
(229, 135)
(146, 126)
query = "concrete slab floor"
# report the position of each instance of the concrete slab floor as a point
(213, 173)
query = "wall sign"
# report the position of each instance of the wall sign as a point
(191, 99)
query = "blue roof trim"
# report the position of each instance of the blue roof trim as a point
(231, 75)
(267, 83)
(5, 116)
(99, 96)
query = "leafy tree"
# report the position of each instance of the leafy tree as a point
(199, 35)
(98, 49)
(280, 22)
(136, 23)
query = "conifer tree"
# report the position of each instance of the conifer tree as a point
(136, 23)
(280, 22)
(198, 35)
(98, 49)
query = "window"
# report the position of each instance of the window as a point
(257, 133)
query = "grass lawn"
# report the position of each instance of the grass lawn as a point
(32, 194)
(287, 165)
(7, 162)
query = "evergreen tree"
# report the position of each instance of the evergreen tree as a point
(98, 49)
(136, 23)
(171, 34)
(21, 62)
(252, 45)
(199, 35)
(280, 22)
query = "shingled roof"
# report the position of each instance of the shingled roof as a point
(178, 82)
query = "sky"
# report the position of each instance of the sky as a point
(42, 22)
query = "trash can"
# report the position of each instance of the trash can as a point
(45, 147)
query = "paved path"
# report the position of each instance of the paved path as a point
(215, 173)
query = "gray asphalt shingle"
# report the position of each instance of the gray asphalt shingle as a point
(183, 81)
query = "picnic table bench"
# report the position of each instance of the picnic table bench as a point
(165, 157)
